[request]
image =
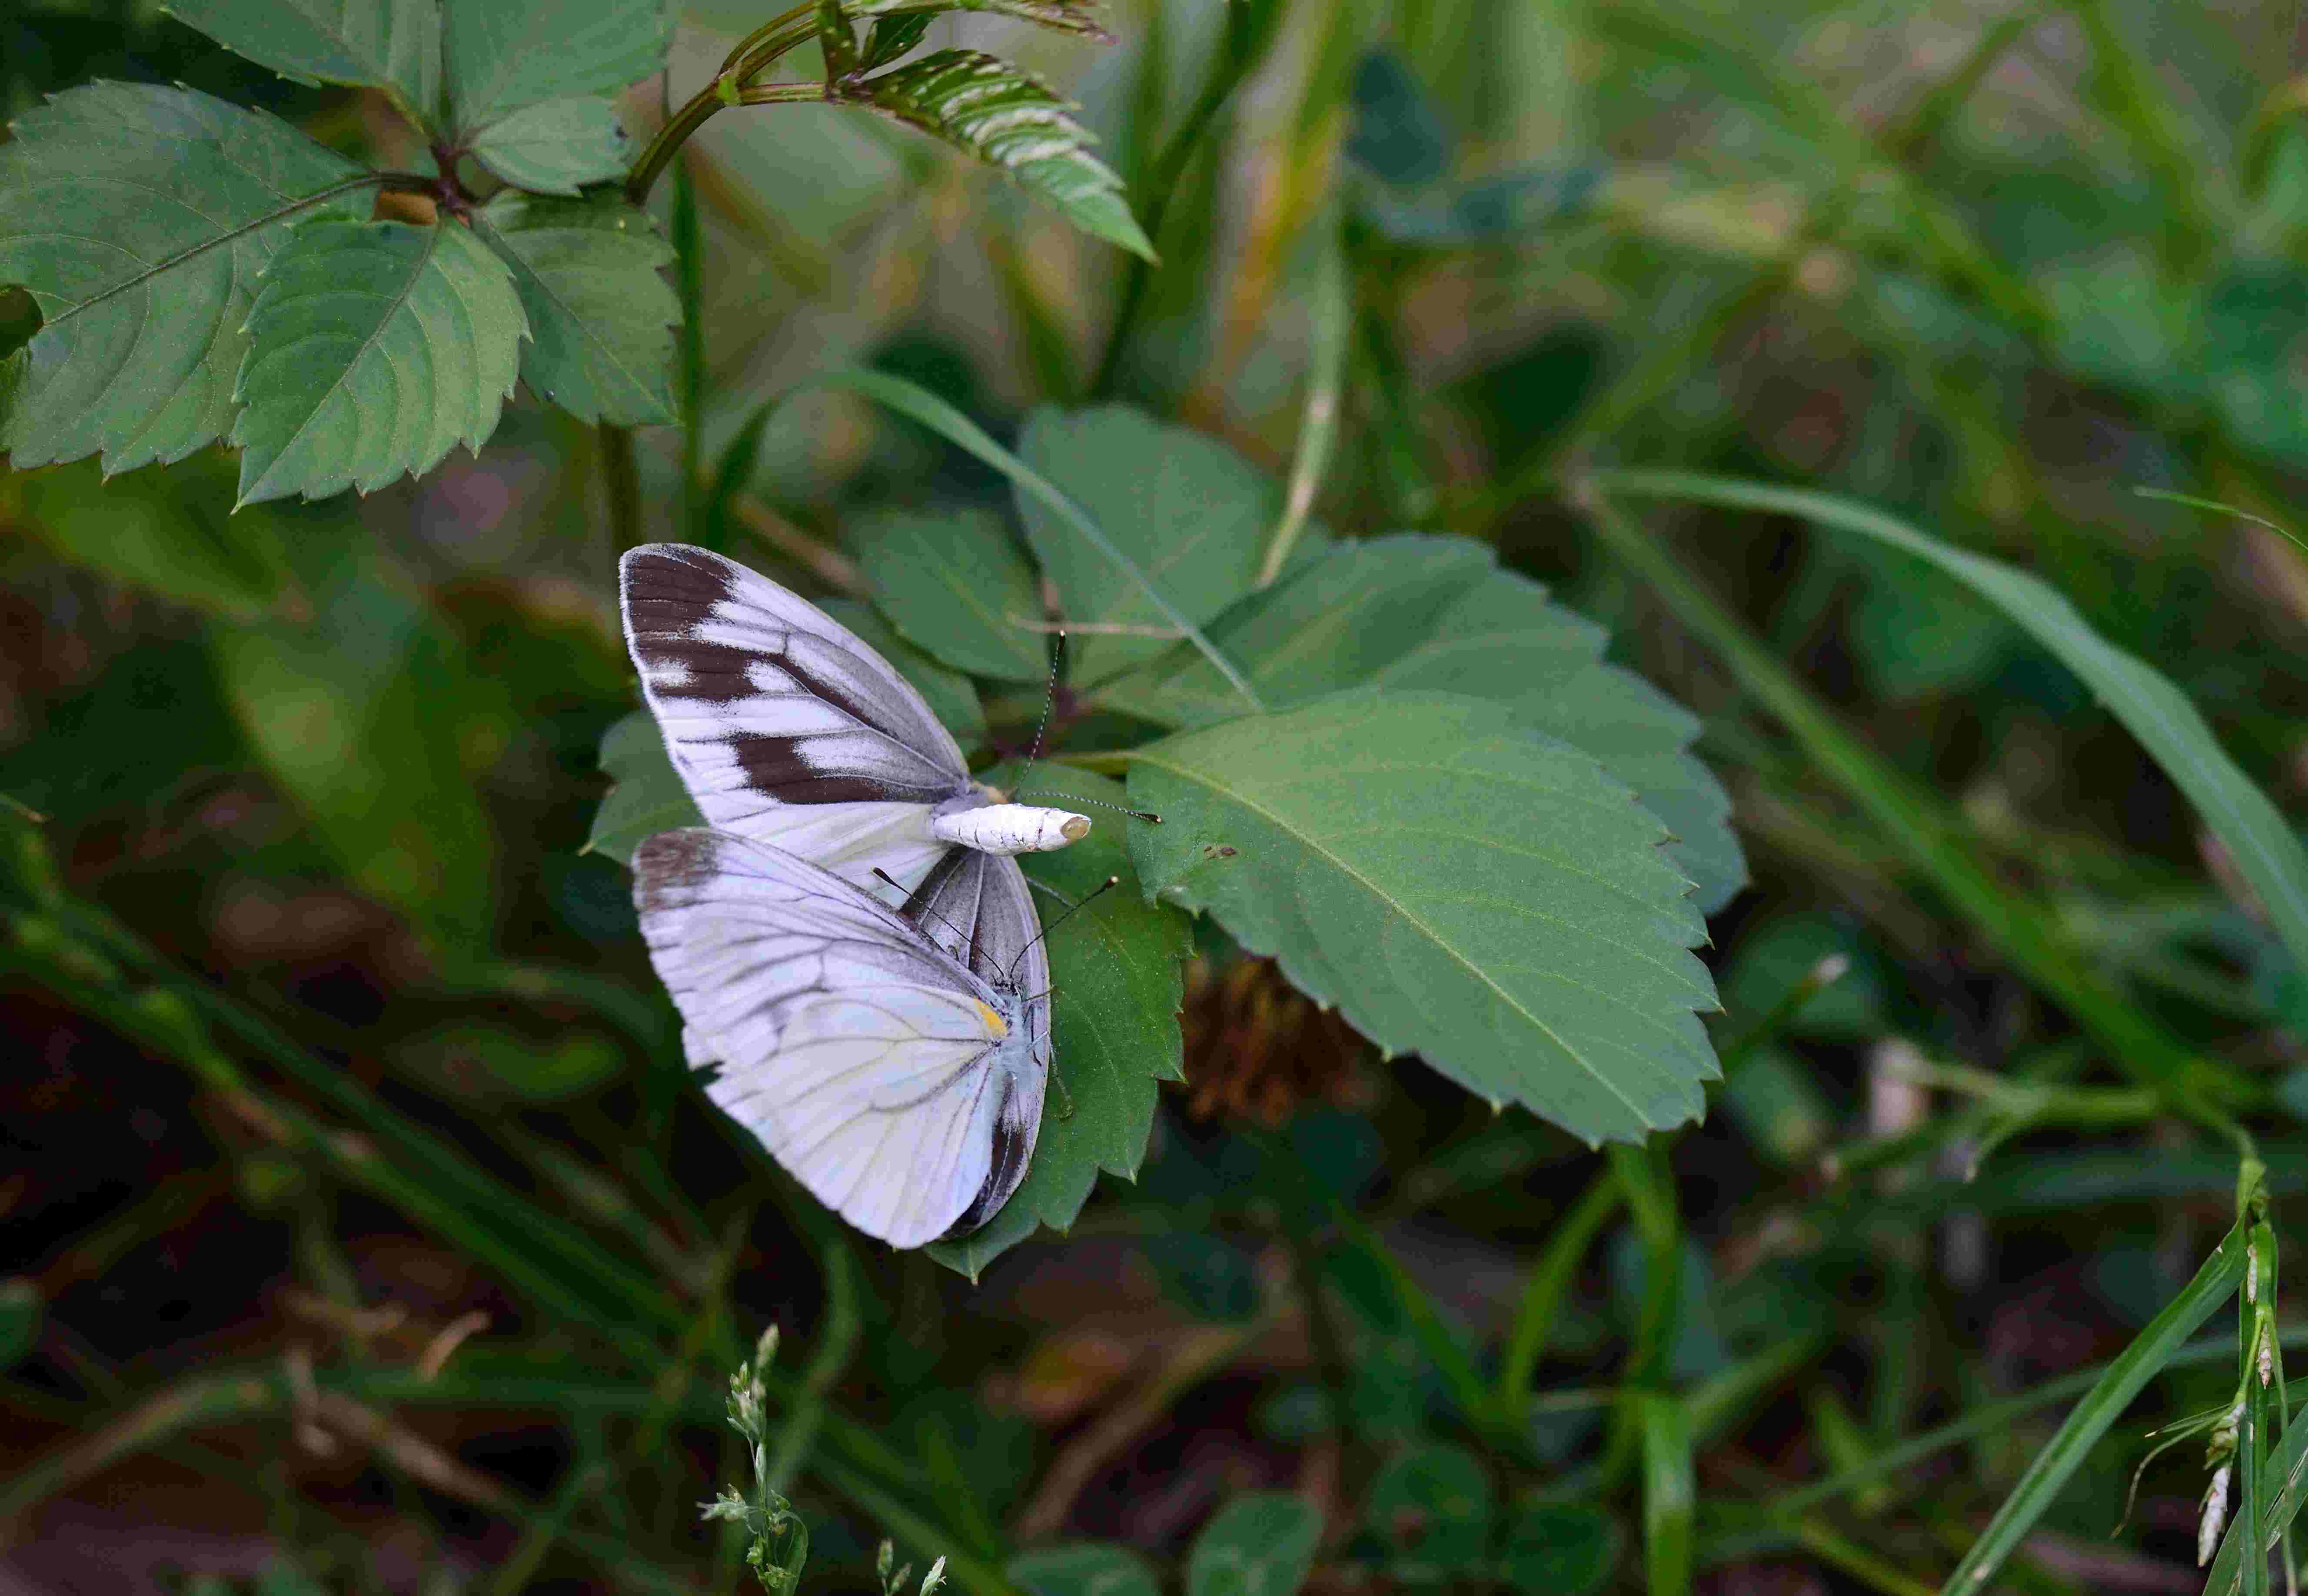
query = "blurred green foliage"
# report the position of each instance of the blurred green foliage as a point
(361, 1225)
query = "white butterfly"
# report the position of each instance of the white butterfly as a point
(906, 1091)
(790, 730)
(900, 1084)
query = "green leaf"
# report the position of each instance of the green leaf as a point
(1257, 1545)
(600, 313)
(1084, 1571)
(1067, 16)
(1431, 1508)
(1115, 970)
(1345, 615)
(917, 404)
(374, 349)
(146, 531)
(2040, 1487)
(1559, 1549)
(2267, 852)
(175, 203)
(646, 796)
(558, 147)
(503, 54)
(958, 586)
(952, 698)
(1005, 116)
(393, 44)
(1461, 887)
(1424, 613)
(1190, 513)
(353, 715)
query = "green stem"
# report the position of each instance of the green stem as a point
(754, 54)
(621, 486)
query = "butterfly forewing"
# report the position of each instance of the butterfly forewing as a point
(767, 701)
(901, 1088)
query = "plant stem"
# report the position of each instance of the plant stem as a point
(621, 486)
(754, 54)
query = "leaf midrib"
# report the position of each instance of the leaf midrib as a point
(232, 236)
(1388, 898)
(399, 300)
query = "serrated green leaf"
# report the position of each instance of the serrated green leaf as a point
(1115, 969)
(1084, 1571)
(891, 38)
(393, 44)
(141, 530)
(506, 54)
(1340, 619)
(1190, 512)
(140, 218)
(374, 349)
(600, 313)
(958, 585)
(952, 698)
(1258, 1545)
(1006, 118)
(645, 796)
(1425, 614)
(558, 147)
(1458, 886)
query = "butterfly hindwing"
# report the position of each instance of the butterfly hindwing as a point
(901, 1087)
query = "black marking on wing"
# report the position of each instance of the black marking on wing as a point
(1006, 1169)
(680, 608)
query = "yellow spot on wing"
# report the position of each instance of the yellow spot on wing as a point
(995, 1025)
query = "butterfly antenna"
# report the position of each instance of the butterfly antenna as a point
(1073, 909)
(968, 939)
(1049, 700)
(1135, 815)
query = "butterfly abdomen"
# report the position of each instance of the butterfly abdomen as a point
(1009, 827)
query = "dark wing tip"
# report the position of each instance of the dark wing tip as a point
(1013, 1145)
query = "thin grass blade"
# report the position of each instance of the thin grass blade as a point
(2101, 1407)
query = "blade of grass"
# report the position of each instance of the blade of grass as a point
(1250, 28)
(919, 403)
(1669, 1493)
(2101, 1407)
(1550, 1281)
(2267, 851)
(2193, 503)
(2284, 1484)
(2029, 933)
(1991, 1418)
(1331, 316)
